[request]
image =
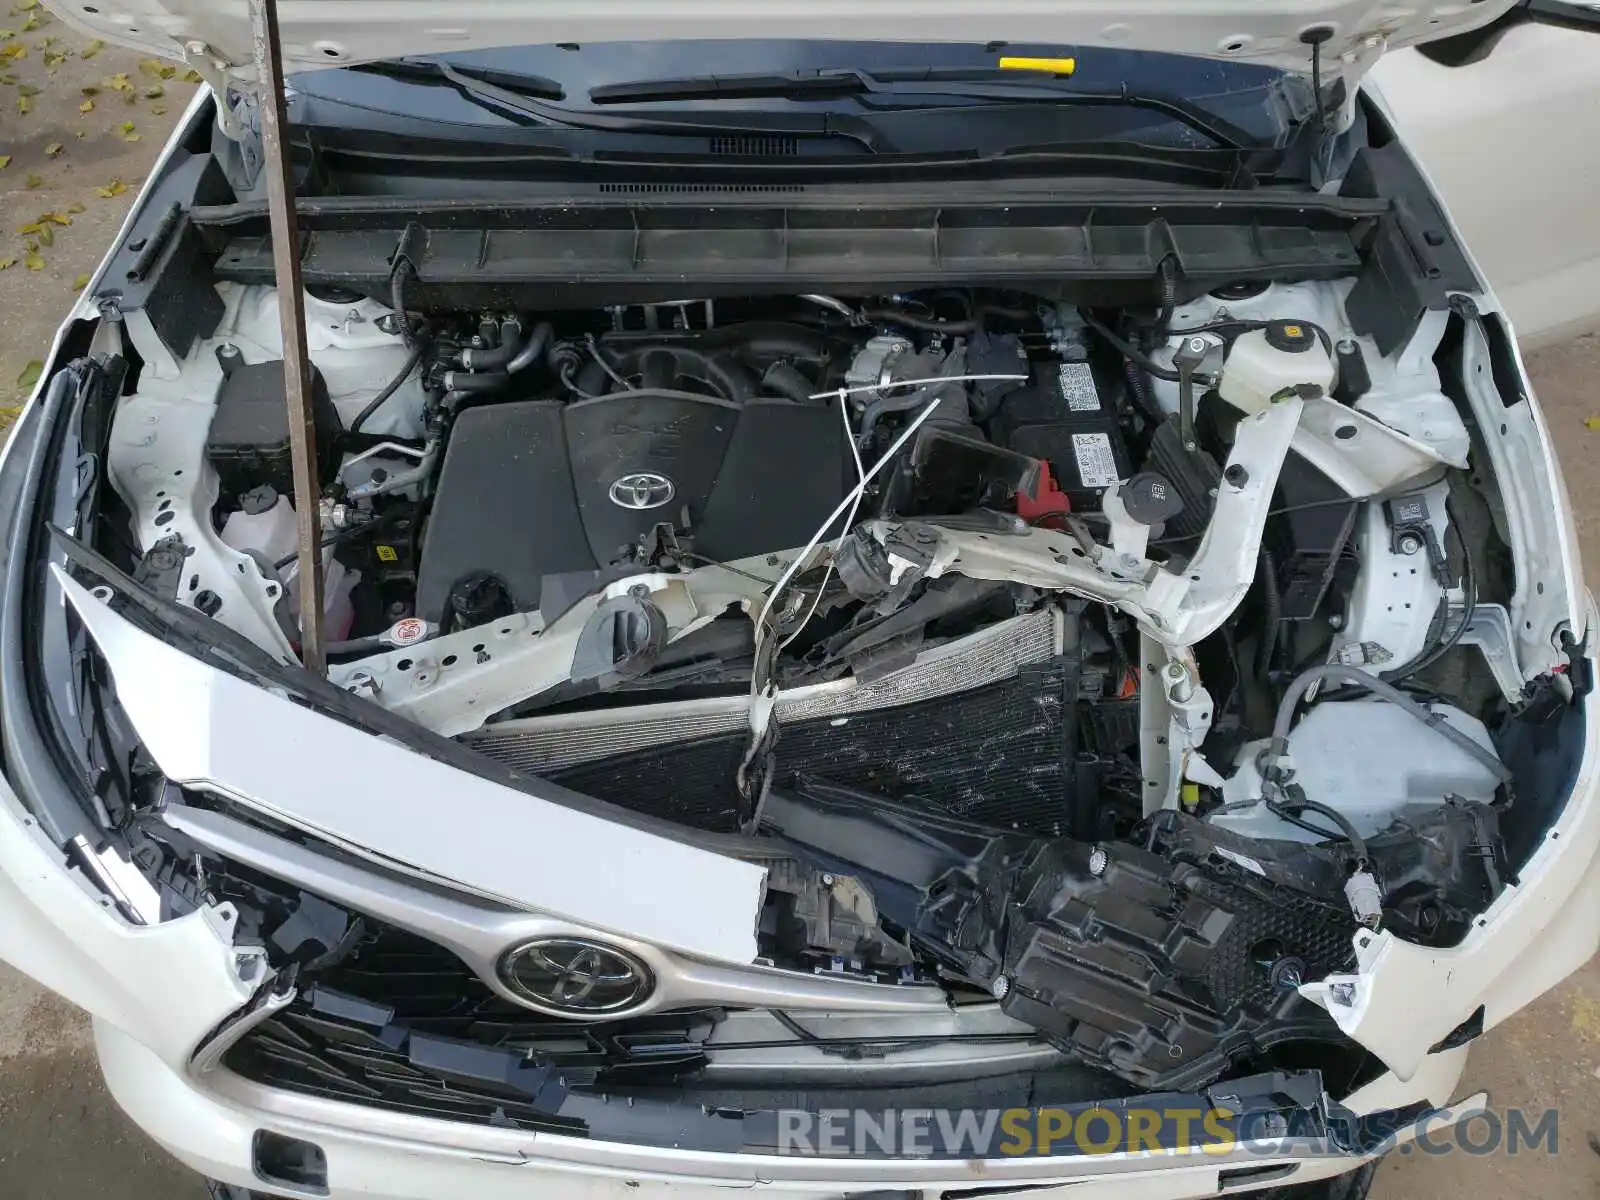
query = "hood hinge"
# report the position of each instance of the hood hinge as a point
(235, 109)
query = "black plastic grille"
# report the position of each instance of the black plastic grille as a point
(403, 1024)
(756, 145)
(698, 188)
(1000, 755)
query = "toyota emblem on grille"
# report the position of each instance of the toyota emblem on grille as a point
(577, 976)
(642, 490)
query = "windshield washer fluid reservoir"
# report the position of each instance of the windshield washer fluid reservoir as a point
(1265, 364)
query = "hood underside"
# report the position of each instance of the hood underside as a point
(334, 33)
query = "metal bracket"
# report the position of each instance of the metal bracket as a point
(213, 68)
(1490, 631)
(453, 684)
(1176, 608)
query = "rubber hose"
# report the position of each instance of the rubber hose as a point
(1272, 603)
(389, 389)
(1284, 808)
(492, 358)
(487, 381)
(397, 301)
(890, 316)
(1139, 390)
(1338, 672)
(591, 380)
(533, 349)
(781, 377)
(1167, 295)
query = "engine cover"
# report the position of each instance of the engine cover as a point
(539, 488)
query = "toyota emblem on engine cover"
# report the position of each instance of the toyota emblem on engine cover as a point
(577, 976)
(641, 490)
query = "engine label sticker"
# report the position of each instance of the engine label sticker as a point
(1077, 388)
(1097, 466)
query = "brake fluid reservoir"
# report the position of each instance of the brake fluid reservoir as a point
(1265, 364)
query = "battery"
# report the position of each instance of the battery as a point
(1066, 415)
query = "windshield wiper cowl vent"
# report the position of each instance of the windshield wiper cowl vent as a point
(755, 145)
(660, 188)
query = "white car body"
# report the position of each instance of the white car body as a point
(1483, 131)
(160, 992)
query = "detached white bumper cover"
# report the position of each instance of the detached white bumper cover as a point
(205, 728)
(376, 1155)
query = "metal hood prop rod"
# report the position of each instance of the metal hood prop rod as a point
(291, 313)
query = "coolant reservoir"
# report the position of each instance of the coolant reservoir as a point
(264, 522)
(1265, 364)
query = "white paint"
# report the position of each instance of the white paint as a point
(208, 729)
(375, 1154)
(1509, 144)
(339, 32)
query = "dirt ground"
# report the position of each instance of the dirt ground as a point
(70, 172)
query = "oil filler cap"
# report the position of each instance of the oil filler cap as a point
(1290, 336)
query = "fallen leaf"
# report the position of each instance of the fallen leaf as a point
(46, 42)
(115, 188)
(31, 23)
(13, 50)
(158, 109)
(30, 227)
(54, 148)
(33, 262)
(86, 106)
(30, 373)
(54, 59)
(79, 134)
(34, 180)
(154, 92)
(118, 82)
(126, 129)
(90, 90)
(75, 207)
(156, 68)
(22, 6)
(81, 282)
(191, 76)
(92, 49)
(56, 218)
(7, 262)
(7, 34)
(1591, 423)
(27, 89)
(8, 78)
(5, 161)
(47, 237)
(130, 137)
(24, 105)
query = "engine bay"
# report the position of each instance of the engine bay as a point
(1117, 665)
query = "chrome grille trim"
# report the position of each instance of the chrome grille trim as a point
(542, 744)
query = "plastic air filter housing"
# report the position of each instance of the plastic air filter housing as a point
(1265, 363)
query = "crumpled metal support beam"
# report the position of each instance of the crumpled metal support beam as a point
(291, 313)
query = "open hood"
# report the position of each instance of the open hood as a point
(215, 34)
